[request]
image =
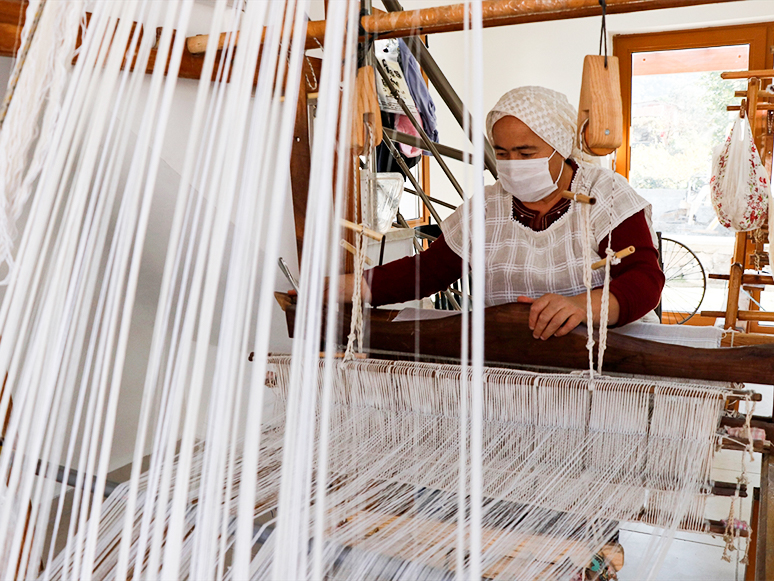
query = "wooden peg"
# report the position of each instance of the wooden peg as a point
(582, 198)
(620, 254)
(373, 234)
(600, 110)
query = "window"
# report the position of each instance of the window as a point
(674, 105)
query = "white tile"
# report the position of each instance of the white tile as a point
(718, 508)
(703, 538)
(763, 407)
(725, 475)
(685, 560)
(732, 460)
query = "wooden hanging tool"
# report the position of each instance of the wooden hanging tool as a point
(360, 228)
(366, 102)
(600, 110)
(582, 198)
(620, 254)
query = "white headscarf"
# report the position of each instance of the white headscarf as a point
(548, 113)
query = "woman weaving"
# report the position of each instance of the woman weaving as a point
(534, 236)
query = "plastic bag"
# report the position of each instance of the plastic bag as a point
(739, 184)
(380, 213)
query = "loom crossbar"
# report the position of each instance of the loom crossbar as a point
(509, 342)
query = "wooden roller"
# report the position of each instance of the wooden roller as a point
(600, 112)
(628, 251)
(508, 341)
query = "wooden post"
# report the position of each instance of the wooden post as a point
(734, 285)
(451, 18)
(753, 84)
(300, 164)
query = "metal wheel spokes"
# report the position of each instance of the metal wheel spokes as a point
(685, 285)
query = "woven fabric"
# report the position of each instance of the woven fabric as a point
(521, 261)
(548, 113)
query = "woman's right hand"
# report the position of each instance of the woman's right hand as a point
(347, 288)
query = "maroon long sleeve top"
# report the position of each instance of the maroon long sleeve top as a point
(636, 282)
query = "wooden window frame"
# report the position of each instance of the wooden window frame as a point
(760, 37)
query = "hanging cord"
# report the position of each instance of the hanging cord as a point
(20, 63)
(586, 219)
(734, 526)
(603, 31)
(356, 325)
(604, 311)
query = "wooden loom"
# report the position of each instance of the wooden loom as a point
(749, 254)
(625, 356)
(509, 340)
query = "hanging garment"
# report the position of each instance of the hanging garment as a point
(739, 186)
(388, 53)
(384, 160)
(404, 125)
(419, 91)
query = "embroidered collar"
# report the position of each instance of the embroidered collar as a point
(531, 218)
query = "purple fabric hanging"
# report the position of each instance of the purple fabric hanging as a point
(419, 91)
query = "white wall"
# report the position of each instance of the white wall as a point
(551, 54)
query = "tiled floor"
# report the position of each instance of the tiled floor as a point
(689, 558)
(693, 556)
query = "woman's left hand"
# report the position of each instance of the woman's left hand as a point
(554, 314)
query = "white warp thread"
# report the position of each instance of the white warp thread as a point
(559, 462)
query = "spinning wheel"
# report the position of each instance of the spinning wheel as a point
(686, 282)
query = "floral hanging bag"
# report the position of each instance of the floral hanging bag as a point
(739, 184)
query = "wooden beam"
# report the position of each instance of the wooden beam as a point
(743, 315)
(509, 342)
(742, 339)
(503, 13)
(746, 278)
(12, 17)
(760, 73)
(495, 13)
(765, 551)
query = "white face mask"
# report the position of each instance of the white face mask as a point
(529, 180)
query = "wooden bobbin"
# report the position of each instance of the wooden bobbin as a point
(582, 198)
(600, 110)
(620, 254)
(373, 234)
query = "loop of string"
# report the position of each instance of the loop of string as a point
(603, 31)
(731, 331)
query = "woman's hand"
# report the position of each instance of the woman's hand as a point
(558, 315)
(555, 314)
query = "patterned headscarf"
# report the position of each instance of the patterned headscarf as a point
(548, 113)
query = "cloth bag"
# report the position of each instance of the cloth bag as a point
(739, 184)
